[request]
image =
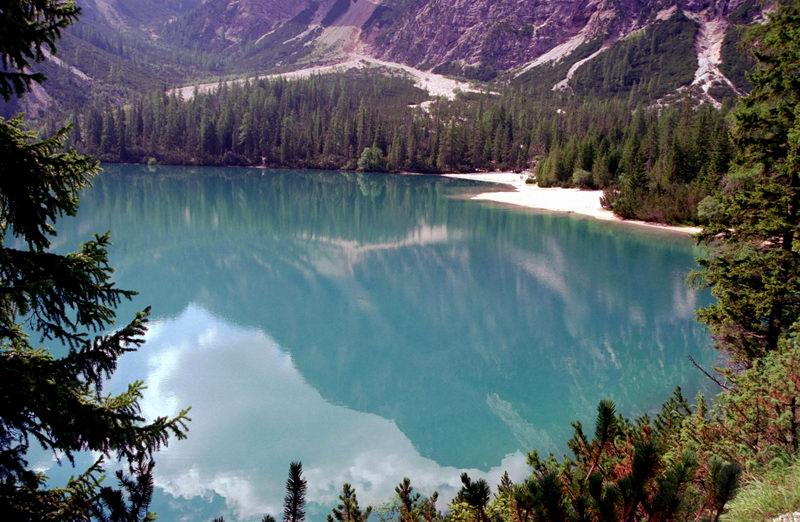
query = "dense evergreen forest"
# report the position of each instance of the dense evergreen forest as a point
(655, 163)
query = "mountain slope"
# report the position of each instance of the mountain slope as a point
(476, 39)
(605, 47)
(127, 14)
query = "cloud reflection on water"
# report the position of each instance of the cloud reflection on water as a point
(245, 394)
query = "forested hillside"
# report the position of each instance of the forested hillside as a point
(655, 164)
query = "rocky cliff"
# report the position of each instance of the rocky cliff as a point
(479, 39)
(599, 46)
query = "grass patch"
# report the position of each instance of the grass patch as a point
(774, 494)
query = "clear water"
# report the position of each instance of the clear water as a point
(376, 327)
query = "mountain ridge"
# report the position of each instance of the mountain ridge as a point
(475, 39)
(547, 43)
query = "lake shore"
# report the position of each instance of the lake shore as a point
(572, 201)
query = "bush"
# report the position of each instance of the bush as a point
(582, 178)
(372, 160)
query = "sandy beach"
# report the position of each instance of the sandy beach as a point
(583, 202)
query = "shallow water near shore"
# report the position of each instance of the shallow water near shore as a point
(376, 327)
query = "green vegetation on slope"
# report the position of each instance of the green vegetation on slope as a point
(737, 51)
(737, 57)
(654, 62)
(548, 74)
(655, 164)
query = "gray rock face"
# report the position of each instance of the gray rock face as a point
(230, 22)
(511, 33)
(501, 34)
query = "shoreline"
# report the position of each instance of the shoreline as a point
(561, 200)
(555, 199)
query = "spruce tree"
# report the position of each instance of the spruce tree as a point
(55, 401)
(753, 268)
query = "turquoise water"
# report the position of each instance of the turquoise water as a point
(377, 327)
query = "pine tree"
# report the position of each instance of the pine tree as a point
(413, 507)
(121, 133)
(723, 483)
(348, 509)
(476, 494)
(295, 500)
(108, 138)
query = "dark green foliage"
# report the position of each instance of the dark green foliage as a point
(737, 57)
(605, 427)
(348, 510)
(656, 164)
(631, 470)
(322, 122)
(753, 267)
(475, 494)
(294, 502)
(724, 481)
(70, 299)
(654, 63)
(413, 507)
(746, 13)
(653, 165)
(30, 27)
(482, 72)
(130, 503)
(372, 160)
(117, 62)
(545, 76)
(668, 499)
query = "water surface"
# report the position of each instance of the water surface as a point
(377, 327)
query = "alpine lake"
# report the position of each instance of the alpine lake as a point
(376, 327)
